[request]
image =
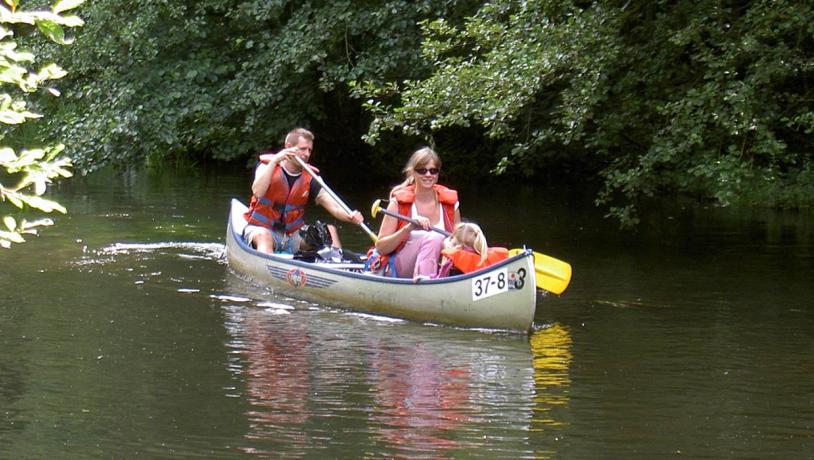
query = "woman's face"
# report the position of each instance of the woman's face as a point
(426, 175)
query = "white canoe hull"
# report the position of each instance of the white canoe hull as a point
(501, 297)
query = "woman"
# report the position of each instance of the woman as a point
(415, 250)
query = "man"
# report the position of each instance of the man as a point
(280, 191)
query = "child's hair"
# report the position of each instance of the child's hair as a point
(469, 234)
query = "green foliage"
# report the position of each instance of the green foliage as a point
(705, 98)
(32, 169)
(167, 80)
(726, 82)
(710, 99)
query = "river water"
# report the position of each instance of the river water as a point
(125, 335)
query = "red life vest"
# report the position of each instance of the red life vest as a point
(446, 196)
(281, 208)
(467, 260)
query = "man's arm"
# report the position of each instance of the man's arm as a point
(262, 176)
(262, 179)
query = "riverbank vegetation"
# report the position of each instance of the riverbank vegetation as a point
(638, 98)
(27, 169)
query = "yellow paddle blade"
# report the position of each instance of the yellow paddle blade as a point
(375, 208)
(556, 274)
(552, 274)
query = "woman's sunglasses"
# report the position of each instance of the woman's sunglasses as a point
(423, 171)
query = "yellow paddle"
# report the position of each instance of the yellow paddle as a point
(551, 274)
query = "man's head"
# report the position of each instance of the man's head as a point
(302, 141)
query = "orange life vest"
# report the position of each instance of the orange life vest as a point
(467, 260)
(281, 208)
(448, 197)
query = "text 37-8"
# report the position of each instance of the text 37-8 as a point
(489, 284)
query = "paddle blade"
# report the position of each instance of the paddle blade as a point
(551, 274)
(555, 274)
(374, 210)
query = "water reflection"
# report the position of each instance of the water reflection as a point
(419, 400)
(551, 351)
(277, 380)
(320, 381)
(333, 382)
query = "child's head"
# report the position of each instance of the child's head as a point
(470, 235)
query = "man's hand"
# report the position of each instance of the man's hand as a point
(356, 217)
(274, 158)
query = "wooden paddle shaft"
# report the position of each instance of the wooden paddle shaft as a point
(333, 195)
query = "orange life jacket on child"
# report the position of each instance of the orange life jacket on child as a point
(467, 260)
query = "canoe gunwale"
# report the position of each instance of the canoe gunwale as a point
(370, 277)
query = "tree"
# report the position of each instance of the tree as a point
(30, 170)
(709, 98)
(644, 98)
(186, 81)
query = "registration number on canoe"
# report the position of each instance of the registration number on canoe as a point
(489, 284)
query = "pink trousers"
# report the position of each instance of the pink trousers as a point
(420, 254)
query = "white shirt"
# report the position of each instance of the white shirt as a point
(439, 224)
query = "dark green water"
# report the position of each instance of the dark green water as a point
(125, 335)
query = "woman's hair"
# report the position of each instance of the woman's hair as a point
(420, 158)
(470, 234)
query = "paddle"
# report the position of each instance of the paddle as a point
(377, 208)
(333, 195)
(551, 274)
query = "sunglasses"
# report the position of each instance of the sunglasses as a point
(432, 171)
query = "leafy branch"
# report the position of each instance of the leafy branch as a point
(32, 169)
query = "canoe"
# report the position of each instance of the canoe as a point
(502, 296)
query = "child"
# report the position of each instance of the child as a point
(465, 250)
